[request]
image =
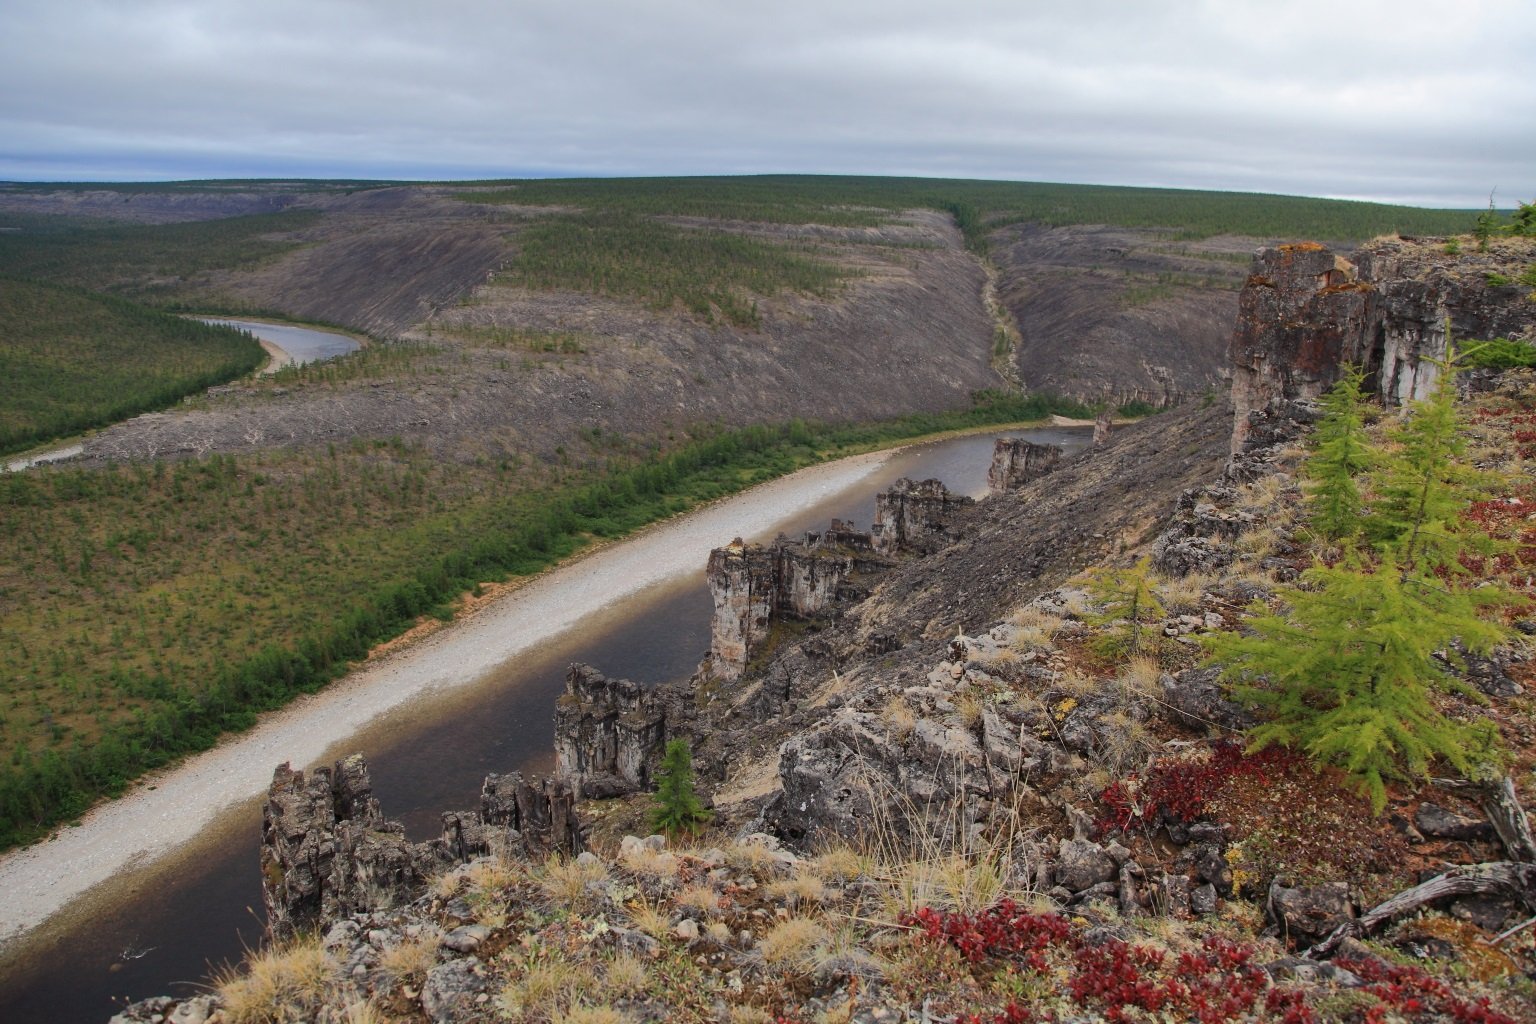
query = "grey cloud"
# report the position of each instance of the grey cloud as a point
(1399, 101)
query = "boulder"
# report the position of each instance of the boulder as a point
(1081, 865)
(1309, 913)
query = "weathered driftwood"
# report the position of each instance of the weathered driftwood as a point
(1503, 809)
(1498, 878)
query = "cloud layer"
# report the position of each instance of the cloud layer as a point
(1408, 102)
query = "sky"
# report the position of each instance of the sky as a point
(1423, 103)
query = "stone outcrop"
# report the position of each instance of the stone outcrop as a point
(1101, 427)
(1015, 462)
(609, 733)
(327, 851)
(755, 585)
(915, 517)
(325, 847)
(1306, 311)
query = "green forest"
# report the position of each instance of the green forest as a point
(980, 206)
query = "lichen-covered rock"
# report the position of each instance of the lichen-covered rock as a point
(1081, 865)
(1194, 698)
(1440, 823)
(319, 866)
(449, 994)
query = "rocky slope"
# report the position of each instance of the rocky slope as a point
(997, 811)
(908, 332)
(1120, 315)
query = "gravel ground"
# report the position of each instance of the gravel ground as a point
(150, 823)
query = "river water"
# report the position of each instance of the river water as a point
(162, 925)
(302, 344)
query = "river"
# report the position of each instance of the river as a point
(156, 924)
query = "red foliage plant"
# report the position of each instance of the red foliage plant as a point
(1179, 789)
(1407, 992)
(1216, 984)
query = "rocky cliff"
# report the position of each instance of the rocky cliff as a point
(1306, 311)
(1016, 461)
(327, 852)
(755, 586)
(609, 733)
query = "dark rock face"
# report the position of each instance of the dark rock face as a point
(1306, 311)
(327, 852)
(1194, 698)
(1303, 314)
(609, 733)
(915, 517)
(1015, 462)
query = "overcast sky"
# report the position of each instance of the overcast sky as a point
(1406, 101)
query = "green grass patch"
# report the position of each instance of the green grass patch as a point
(72, 360)
(712, 274)
(140, 606)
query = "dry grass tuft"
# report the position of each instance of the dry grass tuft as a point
(410, 960)
(702, 898)
(1076, 683)
(898, 718)
(798, 891)
(626, 976)
(1124, 743)
(361, 1012)
(591, 1015)
(545, 988)
(1036, 628)
(285, 983)
(1001, 659)
(1139, 677)
(1184, 595)
(650, 918)
(970, 706)
(568, 883)
(753, 857)
(659, 865)
(837, 864)
(792, 945)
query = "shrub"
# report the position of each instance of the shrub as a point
(678, 807)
